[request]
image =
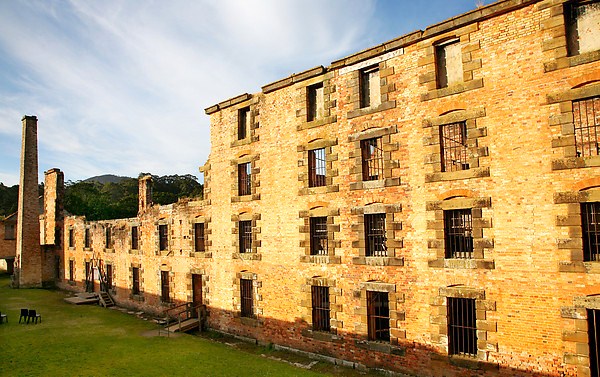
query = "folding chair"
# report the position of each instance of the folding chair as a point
(3, 317)
(24, 315)
(33, 316)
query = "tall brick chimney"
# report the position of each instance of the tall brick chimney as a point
(28, 263)
(144, 193)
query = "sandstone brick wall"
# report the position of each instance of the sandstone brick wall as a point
(524, 185)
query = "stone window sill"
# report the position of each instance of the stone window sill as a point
(381, 183)
(319, 190)
(200, 254)
(378, 261)
(247, 321)
(581, 267)
(322, 336)
(451, 90)
(245, 198)
(371, 110)
(246, 141)
(575, 163)
(317, 123)
(457, 175)
(572, 61)
(134, 251)
(109, 250)
(382, 347)
(323, 259)
(462, 263)
(247, 256)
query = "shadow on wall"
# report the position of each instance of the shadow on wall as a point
(407, 357)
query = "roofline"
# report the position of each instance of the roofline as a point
(475, 15)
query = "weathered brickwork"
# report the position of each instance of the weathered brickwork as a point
(411, 223)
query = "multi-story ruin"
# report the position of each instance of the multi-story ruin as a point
(430, 205)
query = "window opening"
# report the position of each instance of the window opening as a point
(317, 168)
(320, 308)
(462, 330)
(586, 117)
(453, 143)
(199, 237)
(243, 123)
(372, 159)
(163, 237)
(458, 233)
(378, 315)
(375, 240)
(244, 179)
(318, 235)
(245, 236)
(246, 298)
(590, 223)
(164, 286)
(315, 102)
(135, 286)
(370, 93)
(448, 63)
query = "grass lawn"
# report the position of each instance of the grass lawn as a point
(90, 340)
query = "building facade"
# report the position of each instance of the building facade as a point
(429, 205)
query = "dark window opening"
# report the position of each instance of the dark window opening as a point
(135, 286)
(246, 298)
(71, 270)
(199, 243)
(453, 144)
(134, 237)
(9, 231)
(163, 237)
(369, 87)
(244, 179)
(317, 167)
(245, 236)
(590, 223)
(448, 58)
(462, 330)
(458, 233)
(375, 240)
(320, 308)
(164, 287)
(86, 239)
(593, 320)
(318, 235)
(243, 123)
(581, 22)
(109, 276)
(378, 315)
(372, 159)
(586, 119)
(108, 240)
(315, 102)
(71, 238)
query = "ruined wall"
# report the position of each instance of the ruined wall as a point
(521, 179)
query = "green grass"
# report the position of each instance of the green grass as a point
(93, 341)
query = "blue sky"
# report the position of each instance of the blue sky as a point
(120, 87)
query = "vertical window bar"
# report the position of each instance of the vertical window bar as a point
(245, 236)
(375, 239)
(320, 308)
(593, 320)
(317, 167)
(246, 298)
(453, 144)
(462, 330)
(318, 236)
(372, 159)
(586, 118)
(458, 233)
(244, 179)
(590, 224)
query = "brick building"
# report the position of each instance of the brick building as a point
(429, 205)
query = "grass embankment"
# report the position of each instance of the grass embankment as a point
(93, 341)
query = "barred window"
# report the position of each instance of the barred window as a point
(453, 144)
(448, 57)
(71, 237)
(581, 20)
(163, 237)
(317, 168)
(245, 236)
(86, 239)
(318, 235)
(586, 117)
(593, 320)
(372, 159)
(71, 270)
(199, 244)
(243, 123)
(108, 240)
(378, 315)
(590, 223)
(462, 330)
(109, 276)
(315, 101)
(134, 237)
(135, 283)
(244, 179)
(164, 287)
(246, 298)
(320, 308)
(370, 92)
(375, 240)
(458, 233)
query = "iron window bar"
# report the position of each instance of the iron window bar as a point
(317, 168)
(453, 144)
(245, 236)
(244, 179)
(462, 329)
(320, 308)
(372, 159)
(590, 223)
(246, 298)
(458, 233)
(586, 119)
(375, 239)
(378, 315)
(318, 235)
